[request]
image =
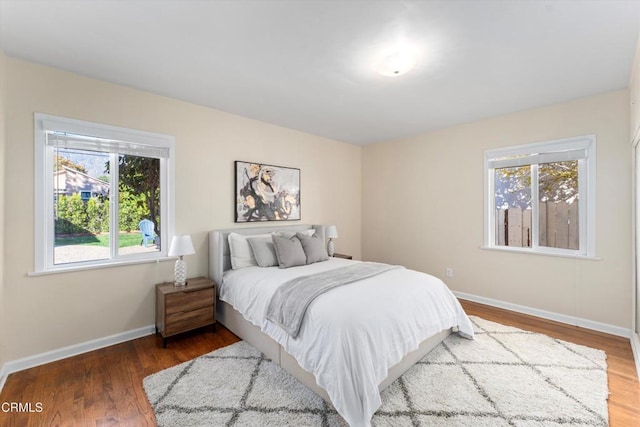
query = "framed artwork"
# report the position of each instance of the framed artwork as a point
(266, 193)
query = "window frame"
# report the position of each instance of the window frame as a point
(586, 191)
(44, 234)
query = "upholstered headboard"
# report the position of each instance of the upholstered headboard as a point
(219, 255)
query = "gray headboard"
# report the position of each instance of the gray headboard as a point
(219, 256)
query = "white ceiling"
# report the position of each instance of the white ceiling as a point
(310, 65)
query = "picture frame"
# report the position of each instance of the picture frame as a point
(266, 192)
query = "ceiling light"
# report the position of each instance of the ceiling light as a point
(397, 63)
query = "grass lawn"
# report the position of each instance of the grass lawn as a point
(125, 240)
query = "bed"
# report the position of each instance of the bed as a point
(353, 342)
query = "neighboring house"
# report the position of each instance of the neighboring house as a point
(69, 181)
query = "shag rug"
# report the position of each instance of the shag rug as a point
(505, 377)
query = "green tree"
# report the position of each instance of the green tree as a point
(94, 215)
(104, 209)
(72, 217)
(62, 225)
(140, 176)
(77, 213)
(132, 209)
(557, 181)
(60, 161)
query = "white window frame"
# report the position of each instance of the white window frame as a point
(536, 152)
(44, 224)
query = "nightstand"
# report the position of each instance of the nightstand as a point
(184, 308)
(342, 256)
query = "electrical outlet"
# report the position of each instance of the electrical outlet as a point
(448, 272)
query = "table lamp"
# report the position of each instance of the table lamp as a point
(332, 233)
(180, 246)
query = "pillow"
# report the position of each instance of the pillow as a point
(313, 248)
(289, 251)
(241, 253)
(290, 234)
(263, 251)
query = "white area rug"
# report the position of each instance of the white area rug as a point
(505, 377)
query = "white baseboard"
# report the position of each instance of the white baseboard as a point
(73, 350)
(635, 347)
(562, 318)
(3, 377)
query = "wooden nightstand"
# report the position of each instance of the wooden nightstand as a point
(183, 308)
(335, 255)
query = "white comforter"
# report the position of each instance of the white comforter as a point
(353, 334)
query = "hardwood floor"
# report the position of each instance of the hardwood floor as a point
(104, 387)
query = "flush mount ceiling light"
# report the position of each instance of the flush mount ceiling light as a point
(397, 63)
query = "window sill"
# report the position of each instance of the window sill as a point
(531, 252)
(72, 269)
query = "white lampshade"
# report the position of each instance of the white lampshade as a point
(332, 232)
(181, 245)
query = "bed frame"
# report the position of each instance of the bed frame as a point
(220, 261)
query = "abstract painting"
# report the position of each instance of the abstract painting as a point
(266, 193)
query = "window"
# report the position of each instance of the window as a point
(541, 197)
(94, 185)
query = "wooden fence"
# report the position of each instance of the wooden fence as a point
(558, 226)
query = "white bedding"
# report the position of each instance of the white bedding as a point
(353, 334)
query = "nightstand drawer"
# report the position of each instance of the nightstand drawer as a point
(188, 301)
(187, 320)
(181, 309)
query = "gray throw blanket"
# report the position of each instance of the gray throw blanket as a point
(291, 300)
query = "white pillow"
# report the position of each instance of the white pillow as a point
(241, 253)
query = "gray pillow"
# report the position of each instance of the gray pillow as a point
(289, 252)
(290, 234)
(313, 247)
(263, 251)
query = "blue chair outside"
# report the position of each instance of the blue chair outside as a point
(147, 228)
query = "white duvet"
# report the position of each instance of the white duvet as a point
(352, 334)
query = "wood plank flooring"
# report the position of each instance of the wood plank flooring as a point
(104, 387)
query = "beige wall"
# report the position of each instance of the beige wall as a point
(49, 312)
(634, 90)
(2, 203)
(423, 207)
